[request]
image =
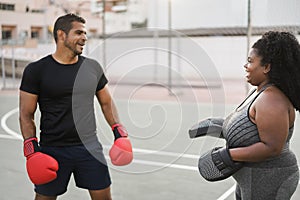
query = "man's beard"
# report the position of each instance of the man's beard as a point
(67, 44)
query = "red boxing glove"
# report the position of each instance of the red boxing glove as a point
(41, 168)
(121, 151)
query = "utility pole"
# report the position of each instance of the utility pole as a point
(249, 33)
(170, 45)
(103, 35)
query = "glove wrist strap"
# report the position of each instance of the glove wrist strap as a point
(30, 146)
(119, 131)
(114, 126)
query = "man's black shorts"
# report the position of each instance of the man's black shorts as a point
(90, 170)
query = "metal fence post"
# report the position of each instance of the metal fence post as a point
(13, 65)
(3, 67)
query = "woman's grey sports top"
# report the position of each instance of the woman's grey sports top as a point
(274, 178)
(239, 130)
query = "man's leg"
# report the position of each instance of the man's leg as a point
(58, 186)
(42, 197)
(92, 174)
(101, 194)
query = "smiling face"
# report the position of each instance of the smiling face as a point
(256, 73)
(76, 38)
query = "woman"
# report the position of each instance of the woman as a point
(259, 130)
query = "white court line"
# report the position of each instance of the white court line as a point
(5, 127)
(227, 193)
(162, 153)
(9, 137)
(14, 135)
(160, 164)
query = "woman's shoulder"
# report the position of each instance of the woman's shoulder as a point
(274, 97)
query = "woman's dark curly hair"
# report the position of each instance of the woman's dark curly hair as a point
(282, 51)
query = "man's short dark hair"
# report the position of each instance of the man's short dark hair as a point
(64, 23)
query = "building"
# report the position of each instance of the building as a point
(31, 19)
(22, 20)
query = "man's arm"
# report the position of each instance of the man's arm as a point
(108, 106)
(41, 168)
(27, 108)
(121, 151)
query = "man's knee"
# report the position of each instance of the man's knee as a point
(42, 197)
(101, 194)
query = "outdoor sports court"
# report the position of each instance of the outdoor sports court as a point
(165, 162)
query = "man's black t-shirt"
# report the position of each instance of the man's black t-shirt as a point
(65, 97)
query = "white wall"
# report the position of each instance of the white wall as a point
(146, 59)
(136, 58)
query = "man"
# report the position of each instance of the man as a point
(64, 85)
